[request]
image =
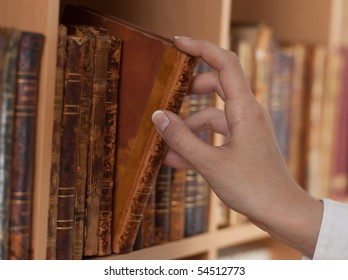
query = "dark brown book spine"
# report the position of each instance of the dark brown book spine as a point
(105, 215)
(202, 188)
(190, 202)
(162, 205)
(154, 75)
(9, 43)
(24, 143)
(85, 112)
(95, 161)
(56, 140)
(177, 205)
(69, 145)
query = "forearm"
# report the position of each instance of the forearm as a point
(296, 222)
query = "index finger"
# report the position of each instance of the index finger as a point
(231, 75)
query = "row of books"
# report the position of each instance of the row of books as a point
(304, 88)
(110, 77)
(20, 57)
(104, 171)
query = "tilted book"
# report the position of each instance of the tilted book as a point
(154, 75)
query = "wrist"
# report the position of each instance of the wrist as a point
(296, 222)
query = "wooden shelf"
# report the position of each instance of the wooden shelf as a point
(199, 244)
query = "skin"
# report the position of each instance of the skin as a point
(247, 171)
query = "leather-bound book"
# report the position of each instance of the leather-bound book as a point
(162, 205)
(70, 145)
(56, 140)
(314, 119)
(339, 181)
(23, 153)
(146, 233)
(95, 157)
(280, 96)
(177, 205)
(154, 75)
(9, 42)
(105, 215)
(85, 112)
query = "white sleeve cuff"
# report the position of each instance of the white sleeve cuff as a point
(332, 241)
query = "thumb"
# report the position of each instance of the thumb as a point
(182, 140)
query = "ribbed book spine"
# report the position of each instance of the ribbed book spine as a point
(9, 43)
(162, 205)
(85, 112)
(23, 153)
(56, 142)
(95, 160)
(69, 145)
(105, 215)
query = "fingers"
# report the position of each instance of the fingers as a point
(231, 76)
(208, 119)
(181, 139)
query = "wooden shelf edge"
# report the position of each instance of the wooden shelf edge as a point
(196, 245)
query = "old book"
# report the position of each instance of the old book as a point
(84, 129)
(334, 79)
(105, 215)
(9, 45)
(146, 234)
(56, 140)
(177, 205)
(279, 98)
(339, 181)
(317, 71)
(162, 74)
(69, 145)
(23, 159)
(253, 42)
(95, 156)
(162, 204)
(297, 111)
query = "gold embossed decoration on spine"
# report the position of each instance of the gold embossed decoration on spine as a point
(23, 153)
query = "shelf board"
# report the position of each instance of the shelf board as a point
(191, 246)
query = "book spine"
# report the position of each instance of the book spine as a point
(339, 181)
(95, 161)
(162, 205)
(128, 219)
(69, 145)
(9, 44)
(85, 112)
(22, 179)
(177, 205)
(149, 221)
(105, 215)
(56, 140)
(190, 202)
(280, 99)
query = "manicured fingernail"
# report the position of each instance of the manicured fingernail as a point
(160, 120)
(182, 37)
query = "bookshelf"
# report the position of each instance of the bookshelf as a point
(195, 18)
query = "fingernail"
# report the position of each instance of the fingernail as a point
(182, 37)
(160, 120)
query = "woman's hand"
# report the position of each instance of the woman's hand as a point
(247, 171)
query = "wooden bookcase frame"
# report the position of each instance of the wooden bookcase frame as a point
(196, 18)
